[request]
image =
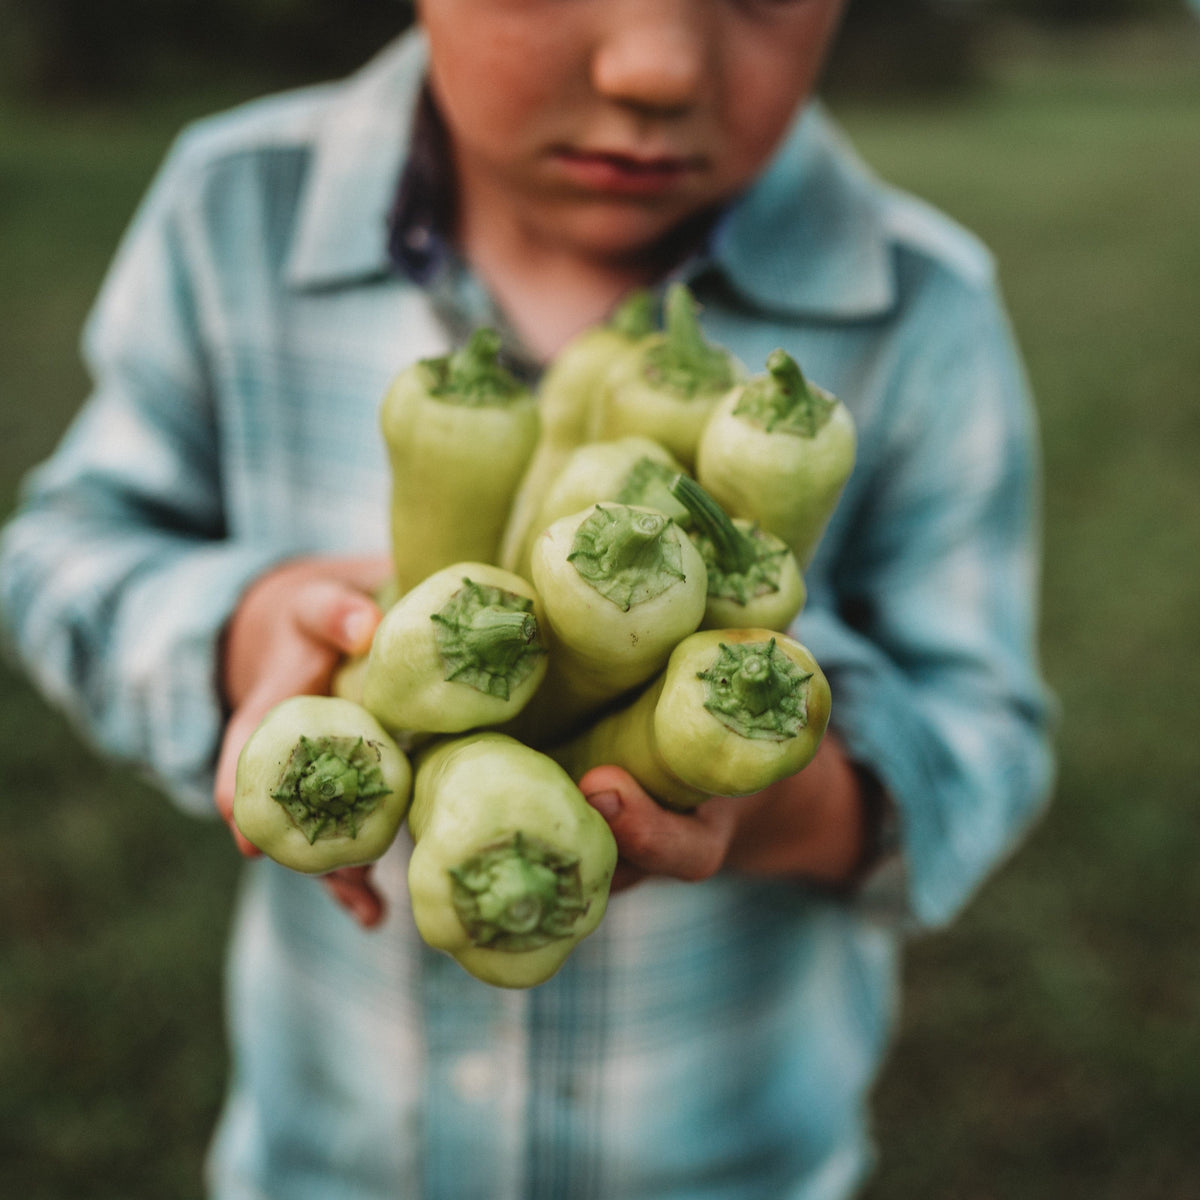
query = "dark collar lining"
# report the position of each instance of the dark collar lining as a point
(421, 220)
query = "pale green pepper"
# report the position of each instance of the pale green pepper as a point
(511, 866)
(459, 432)
(629, 470)
(753, 578)
(618, 587)
(735, 711)
(778, 451)
(321, 785)
(460, 650)
(667, 387)
(566, 396)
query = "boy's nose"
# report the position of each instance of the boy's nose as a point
(652, 54)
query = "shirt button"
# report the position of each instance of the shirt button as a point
(472, 1076)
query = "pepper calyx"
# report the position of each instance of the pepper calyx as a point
(742, 561)
(330, 784)
(634, 317)
(647, 484)
(473, 375)
(784, 401)
(488, 638)
(629, 555)
(518, 894)
(757, 691)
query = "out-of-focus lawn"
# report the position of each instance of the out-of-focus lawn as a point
(1048, 1042)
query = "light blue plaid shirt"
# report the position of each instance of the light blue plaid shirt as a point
(713, 1040)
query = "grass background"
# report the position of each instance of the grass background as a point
(1048, 1047)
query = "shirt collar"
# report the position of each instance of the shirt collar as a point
(808, 238)
(421, 220)
(359, 148)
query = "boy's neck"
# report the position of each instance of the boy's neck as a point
(548, 297)
(550, 291)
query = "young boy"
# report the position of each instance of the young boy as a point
(203, 542)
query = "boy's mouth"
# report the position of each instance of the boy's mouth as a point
(624, 174)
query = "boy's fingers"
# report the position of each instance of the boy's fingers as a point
(321, 618)
(336, 614)
(353, 889)
(653, 840)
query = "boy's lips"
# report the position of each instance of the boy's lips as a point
(624, 174)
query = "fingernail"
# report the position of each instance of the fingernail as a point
(356, 629)
(607, 804)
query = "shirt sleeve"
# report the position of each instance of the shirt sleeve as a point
(116, 572)
(929, 635)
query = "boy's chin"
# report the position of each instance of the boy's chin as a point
(632, 236)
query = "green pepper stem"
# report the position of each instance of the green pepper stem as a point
(626, 553)
(498, 637)
(735, 552)
(755, 684)
(683, 329)
(683, 361)
(632, 542)
(488, 638)
(634, 316)
(756, 690)
(783, 399)
(474, 373)
(786, 373)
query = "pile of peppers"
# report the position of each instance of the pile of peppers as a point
(598, 570)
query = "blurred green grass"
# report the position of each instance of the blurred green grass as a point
(1044, 1044)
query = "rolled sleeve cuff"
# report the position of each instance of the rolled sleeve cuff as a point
(953, 819)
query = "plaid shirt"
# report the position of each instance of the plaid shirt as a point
(714, 1040)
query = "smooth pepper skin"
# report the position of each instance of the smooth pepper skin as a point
(777, 451)
(475, 798)
(676, 741)
(321, 785)
(423, 675)
(459, 432)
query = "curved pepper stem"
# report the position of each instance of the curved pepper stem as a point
(734, 552)
(784, 400)
(741, 564)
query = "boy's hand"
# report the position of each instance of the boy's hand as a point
(286, 638)
(810, 826)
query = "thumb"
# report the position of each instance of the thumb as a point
(336, 614)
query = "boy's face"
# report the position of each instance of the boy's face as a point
(599, 126)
